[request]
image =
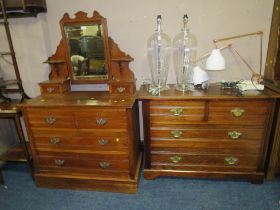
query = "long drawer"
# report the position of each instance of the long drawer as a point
(207, 139)
(80, 162)
(207, 132)
(80, 140)
(241, 146)
(204, 162)
(202, 149)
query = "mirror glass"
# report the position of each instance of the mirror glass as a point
(87, 51)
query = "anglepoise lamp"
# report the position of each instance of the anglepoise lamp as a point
(216, 61)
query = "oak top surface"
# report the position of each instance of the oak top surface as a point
(213, 92)
(81, 99)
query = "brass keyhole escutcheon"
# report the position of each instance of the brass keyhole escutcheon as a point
(50, 89)
(104, 165)
(50, 120)
(121, 89)
(101, 121)
(237, 112)
(231, 160)
(59, 162)
(103, 141)
(176, 111)
(234, 134)
(176, 134)
(55, 140)
(176, 159)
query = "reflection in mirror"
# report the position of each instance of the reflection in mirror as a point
(87, 51)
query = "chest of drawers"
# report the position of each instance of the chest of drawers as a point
(207, 134)
(84, 141)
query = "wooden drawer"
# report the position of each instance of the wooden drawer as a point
(102, 119)
(204, 162)
(125, 88)
(202, 148)
(226, 133)
(50, 89)
(79, 140)
(75, 162)
(250, 112)
(206, 145)
(176, 112)
(50, 118)
(54, 87)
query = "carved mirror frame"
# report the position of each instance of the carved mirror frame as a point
(121, 80)
(81, 19)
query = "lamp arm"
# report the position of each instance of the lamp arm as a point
(260, 33)
(243, 59)
(236, 37)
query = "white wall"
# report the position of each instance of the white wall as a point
(131, 22)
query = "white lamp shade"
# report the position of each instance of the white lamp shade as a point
(215, 62)
(199, 76)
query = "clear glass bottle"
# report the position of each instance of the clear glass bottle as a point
(159, 49)
(184, 57)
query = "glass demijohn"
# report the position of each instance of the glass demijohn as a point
(159, 47)
(184, 56)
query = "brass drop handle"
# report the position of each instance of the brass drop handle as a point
(176, 134)
(103, 141)
(104, 165)
(121, 89)
(50, 89)
(176, 159)
(231, 160)
(237, 112)
(234, 134)
(176, 111)
(50, 120)
(59, 162)
(55, 140)
(101, 121)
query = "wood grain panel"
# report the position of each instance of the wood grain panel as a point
(79, 140)
(75, 163)
(114, 118)
(203, 168)
(207, 132)
(205, 161)
(62, 118)
(201, 149)
(161, 112)
(256, 112)
(191, 104)
(240, 146)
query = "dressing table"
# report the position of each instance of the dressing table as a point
(85, 140)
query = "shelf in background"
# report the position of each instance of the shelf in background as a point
(5, 83)
(9, 108)
(16, 153)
